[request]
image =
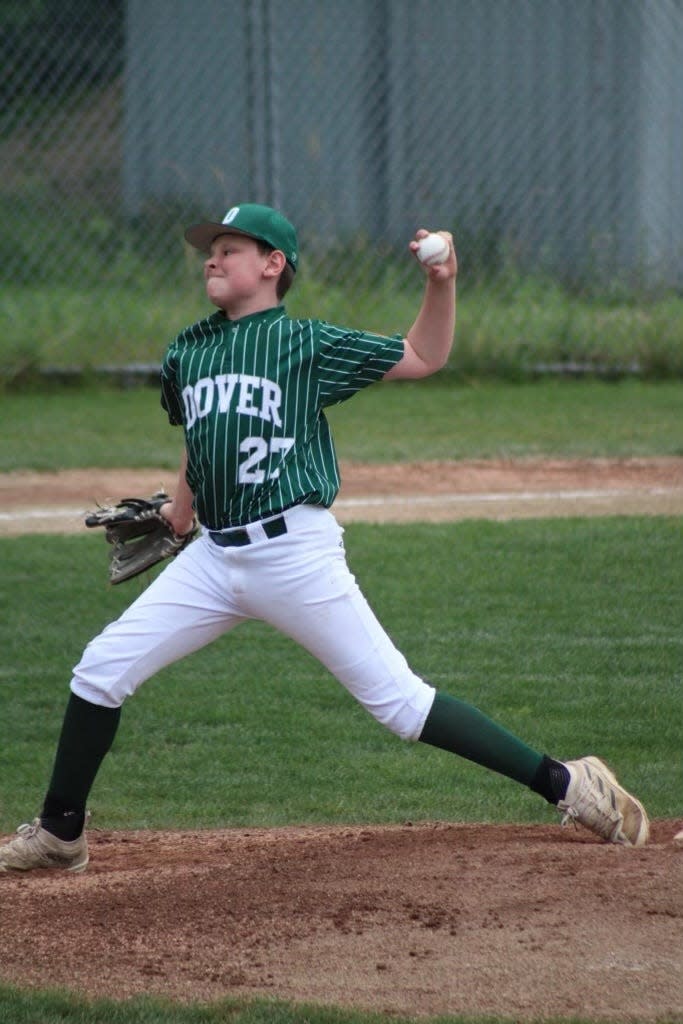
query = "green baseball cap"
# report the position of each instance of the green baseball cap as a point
(253, 220)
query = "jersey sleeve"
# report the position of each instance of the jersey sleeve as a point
(171, 401)
(350, 360)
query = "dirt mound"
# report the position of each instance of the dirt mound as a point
(522, 922)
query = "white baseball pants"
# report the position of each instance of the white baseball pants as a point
(298, 582)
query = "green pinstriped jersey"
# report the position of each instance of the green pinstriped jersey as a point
(250, 395)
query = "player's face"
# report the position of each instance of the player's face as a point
(233, 272)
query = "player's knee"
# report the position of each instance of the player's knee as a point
(404, 724)
(405, 712)
(95, 694)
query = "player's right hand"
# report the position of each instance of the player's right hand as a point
(179, 519)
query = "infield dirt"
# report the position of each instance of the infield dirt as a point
(412, 491)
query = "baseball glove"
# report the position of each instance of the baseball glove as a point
(139, 535)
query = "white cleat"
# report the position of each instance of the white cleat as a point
(35, 847)
(595, 799)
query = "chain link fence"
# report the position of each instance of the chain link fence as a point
(547, 135)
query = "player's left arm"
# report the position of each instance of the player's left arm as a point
(429, 341)
(180, 509)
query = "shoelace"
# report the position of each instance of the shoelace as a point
(611, 819)
(29, 829)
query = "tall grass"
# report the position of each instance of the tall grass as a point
(513, 328)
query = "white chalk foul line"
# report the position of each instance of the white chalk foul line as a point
(42, 513)
(506, 496)
(378, 501)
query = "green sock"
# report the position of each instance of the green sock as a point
(87, 734)
(453, 725)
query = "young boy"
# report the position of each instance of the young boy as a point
(249, 386)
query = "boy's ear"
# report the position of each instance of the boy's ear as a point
(275, 264)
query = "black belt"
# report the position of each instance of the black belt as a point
(239, 537)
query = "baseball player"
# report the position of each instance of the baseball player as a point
(249, 386)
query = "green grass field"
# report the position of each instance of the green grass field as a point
(567, 631)
(435, 419)
(59, 1008)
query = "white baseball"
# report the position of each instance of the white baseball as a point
(678, 838)
(433, 249)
